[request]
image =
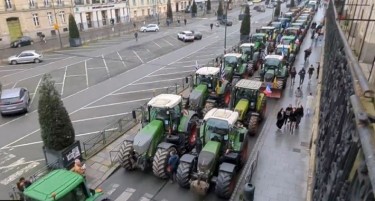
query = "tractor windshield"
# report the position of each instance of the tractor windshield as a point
(257, 38)
(281, 51)
(246, 49)
(217, 129)
(286, 41)
(272, 63)
(230, 60)
(247, 94)
(208, 80)
(162, 113)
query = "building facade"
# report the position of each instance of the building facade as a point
(32, 17)
(97, 13)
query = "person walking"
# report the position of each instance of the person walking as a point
(136, 36)
(317, 70)
(280, 118)
(307, 53)
(211, 25)
(299, 114)
(185, 21)
(287, 113)
(309, 103)
(298, 93)
(293, 120)
(301, 74)
(172, 165)
(293, 73)
(310, 71)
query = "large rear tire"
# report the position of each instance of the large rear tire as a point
(225, 185)
(253, 125)
(160, 162)
(126, 155)
(262, 109)
(183, 174)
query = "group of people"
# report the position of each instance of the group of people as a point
(291, 117)
(302, 74)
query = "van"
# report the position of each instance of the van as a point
(14, 101)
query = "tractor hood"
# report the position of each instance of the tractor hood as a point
(207, 157)
(269, 75)
(242, 107)
(145, 136)
(196, 96)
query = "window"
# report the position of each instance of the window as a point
(50, 18)
(31, 3)
(8, 4)
(134, 3)
(36, 19)
(135, 13)
(46, 2)
(142, 2)
(62, 16)
(59, 2)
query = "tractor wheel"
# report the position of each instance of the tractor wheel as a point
(225, 185)
(126, 155)
(183, 174)
(280, 84)
(253, 125)
(263, 106)
(207, 107)
(192, 138)
(227, 97)
(160, 162)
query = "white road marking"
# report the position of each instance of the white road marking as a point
(123, 63)
(170, 68)
(19, 173)
(148, 50)
(146, 197)
(18, 163)
(63, 83)
(180, 78)
(143, 90)
(203, 55)
(36, 91)
(14, 164)
(125, 196)
(106, 67)
(14, 69)
(138, 56)
(87, 75)
(113, 189)
(100, 117)
(156, 44)
(80, 75)
(95, 68)
(168, 42)
(6, 158)
(15, 84)
(117, 103)
(179, 62)
(187, 71)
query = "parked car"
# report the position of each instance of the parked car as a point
(27, 56)
(149, 27)
(14, 100)
(185, 36)
(197, 35)
(227, 21)
(22, 41)
(270, 5)
(250, 3)
(260, 8)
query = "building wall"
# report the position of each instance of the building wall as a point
(24, 10)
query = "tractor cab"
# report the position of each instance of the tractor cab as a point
(276, 24)
(298, 25)
(289, 15)
(284, 21)
(292, 42)
(283, 50)
(272, 67)
(208, 76)
(259, 39)
(233, 61)
(247, 51)
(269, 30)
(302, 21)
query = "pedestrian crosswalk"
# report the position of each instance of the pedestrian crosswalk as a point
(130, 194)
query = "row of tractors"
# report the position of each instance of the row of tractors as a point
(210, 130)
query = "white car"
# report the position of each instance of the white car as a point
(27, 56)
(150, 27)
(250, 3)
(185, 36)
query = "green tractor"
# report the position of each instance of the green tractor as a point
(220, 153)
(285, 51)
(250, 103)
(260, 40)
(234, 66)
(61, 185)
(209, 90)
(251, 56)
(167, 128)
(274, 73)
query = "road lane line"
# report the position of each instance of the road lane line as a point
(95, 68)
(11, 70)
(138, 56)
(63, 83)
(168, 42)
(170, 68)
(123, 63)
(180, 78)
(101, 117)
(146, 197)
(117, 103)
(125, 196)
(80, 75)
(179, 62)
(143, 90)
(106, 67)
(87, 75)
(156, 44)
(7, 158)
(19, 173)
(187, 71)
(148, 50)
(36, 91)
(114, 187)
(18, 164)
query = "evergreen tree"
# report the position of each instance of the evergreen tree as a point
(292, 3)
(245, 25)
(220, 10)
(277, 10)
(169, 10)
(55, 125)
(73, 29)
(208, 5)
(194, 8)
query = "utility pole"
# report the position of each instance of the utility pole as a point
(226, 21)
(56, 24)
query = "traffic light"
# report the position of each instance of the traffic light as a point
(56, 26)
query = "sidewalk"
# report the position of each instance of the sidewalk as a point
(282, 169)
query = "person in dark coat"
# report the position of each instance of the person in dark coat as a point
(293, 119)
(173, 162)
(280, 118)
(288, 112)
(299, 115)
(293, 74)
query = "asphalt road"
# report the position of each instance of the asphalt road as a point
(101, 82)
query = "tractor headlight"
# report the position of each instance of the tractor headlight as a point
(166, 122)
(252, 104)
(174, 127)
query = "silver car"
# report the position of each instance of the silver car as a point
(27, 56)
(14, 101)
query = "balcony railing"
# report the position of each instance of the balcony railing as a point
(33, 5)
(79, 2)
(59, 3)
(47, 4)
(10, 7)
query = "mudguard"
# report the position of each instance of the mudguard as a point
(188, 158)
(129, 138)
(221, 90)
(165, 145)
(227, 167)
(184, 122)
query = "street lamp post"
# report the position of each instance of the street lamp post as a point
(225, 32)
(56, 27)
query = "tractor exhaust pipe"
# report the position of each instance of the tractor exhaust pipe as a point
(199, 187)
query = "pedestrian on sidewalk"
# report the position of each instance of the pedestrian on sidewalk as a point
(310, 71)
(288, 112)
(313, 25)
(172, 165)
(301, 74)
(293, 120)
(43, 37)
(317, 70)
(136, 36)
(309, 103)
(293, 73)
(185, 21)
(211, 25)
(135, 25)
(280, 118)
(307, 53)
(299, 114)
(298, 93)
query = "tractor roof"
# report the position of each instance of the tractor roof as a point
(165, 101)
(283, 46)
(207, 71)
(259, 34)
(222, 114)
(288, 37)
(247, 45)
(268, 27)
(233, 55)
(293, 27)
(274, 56)
(249, 84)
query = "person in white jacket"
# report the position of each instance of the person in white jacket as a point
(309, 103)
